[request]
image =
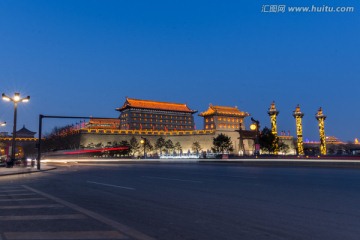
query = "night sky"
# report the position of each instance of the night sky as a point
(83, 58)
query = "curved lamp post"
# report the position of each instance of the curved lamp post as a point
(143, 141)
(255, 126)
(15, 99)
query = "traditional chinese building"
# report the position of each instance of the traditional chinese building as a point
(137, 114)
(25, 143)
(25, 133)
(223, 118)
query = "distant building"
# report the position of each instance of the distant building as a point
(333, 140)
(4, 134)
(173, 121)
(137, 114)
(223, 118)
(25, 133)
(25, 143)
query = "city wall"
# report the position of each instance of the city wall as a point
(185, 138)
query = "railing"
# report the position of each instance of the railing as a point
(147, 132)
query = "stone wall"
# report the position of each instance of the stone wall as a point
(186, 141)
(205, 138)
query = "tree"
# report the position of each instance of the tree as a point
(160, 144)
(169, 145)
(283, 147)
(134, 146)
(148, 146)
(124, 152)
(222, 143)
(196, 147)
(61, 138)
(178, 147)
(267, 140)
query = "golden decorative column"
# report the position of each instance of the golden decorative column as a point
(273, 114)
(321, 120)
(298, 115)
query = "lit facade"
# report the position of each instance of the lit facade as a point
(223, 118)
(137, 114)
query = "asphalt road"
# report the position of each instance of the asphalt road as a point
(181, 201)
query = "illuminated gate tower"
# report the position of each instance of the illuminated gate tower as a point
(321, 120)
(273, 113)
(298, 115)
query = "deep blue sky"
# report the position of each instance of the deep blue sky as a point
(84, 57)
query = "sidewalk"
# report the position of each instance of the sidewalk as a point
(23, 170)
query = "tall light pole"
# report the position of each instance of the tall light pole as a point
(15, 99)
(143, 141)
(255, 126)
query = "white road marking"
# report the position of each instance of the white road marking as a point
(172, 179)
(110, 185)
(64, 235)
(42, 217)
(116, 225)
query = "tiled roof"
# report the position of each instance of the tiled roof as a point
(24, 132)
(149, 104)
(223, 110)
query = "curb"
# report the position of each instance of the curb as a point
(27, 171)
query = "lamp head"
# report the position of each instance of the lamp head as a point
(27, 99)
(5, 98)
(16, 97)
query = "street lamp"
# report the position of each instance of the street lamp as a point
(143, 141)
(15, 99)
(255, 126)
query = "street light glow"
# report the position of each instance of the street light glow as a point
(27, 99)
(16, 97)
(253, 126)
(6, 98)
